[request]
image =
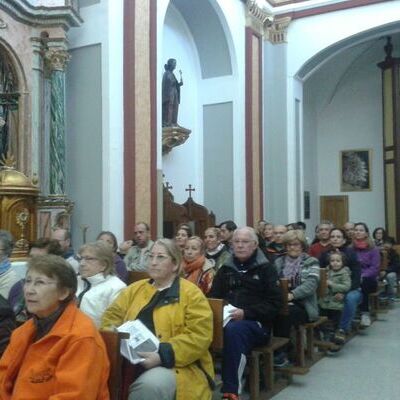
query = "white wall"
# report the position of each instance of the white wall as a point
(184, 164)
(353, 120)
(307, 38)
(102, 25)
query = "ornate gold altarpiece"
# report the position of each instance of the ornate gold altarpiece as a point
(18, 195)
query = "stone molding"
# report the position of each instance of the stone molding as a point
(276, 33)
(256, 17)
(56, 59)
(21, 10)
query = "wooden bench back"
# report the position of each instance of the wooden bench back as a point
(112, 340)
(134, 276)
(217, 307)
(285, 291)
(323, 282)
(384, 260)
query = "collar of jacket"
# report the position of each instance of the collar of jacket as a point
(255, 260)
(172, 295)
(96, 279)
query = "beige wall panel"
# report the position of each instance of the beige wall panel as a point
(388, 108)
(390, 200)
(256, 127)
(142, 110)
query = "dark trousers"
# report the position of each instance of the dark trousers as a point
(283, 323)
(368, 285)
(334, 316)
(240, 337)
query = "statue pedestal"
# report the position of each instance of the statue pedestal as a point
(173, 136)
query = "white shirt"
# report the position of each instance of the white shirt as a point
(103, 291)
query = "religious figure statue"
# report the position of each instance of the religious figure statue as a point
(170, 94)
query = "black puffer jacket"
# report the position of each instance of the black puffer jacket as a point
(252, 286)
(7, 323)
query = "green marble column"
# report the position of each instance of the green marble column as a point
(57, 133)
(57, 60)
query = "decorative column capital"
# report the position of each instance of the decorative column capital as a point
(276, 32)
(56, 59)
(257, 17)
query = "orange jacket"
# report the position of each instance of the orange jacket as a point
(70, 362)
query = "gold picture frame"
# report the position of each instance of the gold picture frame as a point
(355, 170)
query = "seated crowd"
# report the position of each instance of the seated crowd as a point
(65, 298)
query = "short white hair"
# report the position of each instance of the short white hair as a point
(247, 229)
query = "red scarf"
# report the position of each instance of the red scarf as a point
(193, 269)
(360, 244)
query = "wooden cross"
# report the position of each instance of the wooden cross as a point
(190, 190)
(168, 186)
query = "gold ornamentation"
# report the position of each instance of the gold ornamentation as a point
(56, 59)
(22, 219)
(277, 32)
(8, 161)
(173, 136)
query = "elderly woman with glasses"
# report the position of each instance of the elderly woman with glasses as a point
(8, 277)
(98, 286)
(302, 272)
(177, 312)
(59, 353)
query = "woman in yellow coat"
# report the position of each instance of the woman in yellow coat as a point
(178, 313)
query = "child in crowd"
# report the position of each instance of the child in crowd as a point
(392, 270)
(331, 305)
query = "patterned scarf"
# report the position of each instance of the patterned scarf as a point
(291, 270)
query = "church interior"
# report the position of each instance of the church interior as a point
(273, 100)
(286, 110)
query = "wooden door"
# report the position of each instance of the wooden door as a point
(334, 209)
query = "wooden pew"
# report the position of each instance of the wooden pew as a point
(112, 341)
(134, 276)
(266, 352)
(217, 307)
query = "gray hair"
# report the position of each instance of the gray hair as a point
(104, 253)
(248, 229)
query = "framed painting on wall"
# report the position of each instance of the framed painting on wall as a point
(355, 170)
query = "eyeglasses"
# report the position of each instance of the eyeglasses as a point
(86, 258)
(38, 283)
(295, 244)
(158, 258)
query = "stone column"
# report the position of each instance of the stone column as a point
(38, 149)
(57, 59)
(256, 21)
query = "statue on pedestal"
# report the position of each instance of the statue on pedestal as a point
(170, 94)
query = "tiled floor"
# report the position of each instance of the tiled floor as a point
(367, 368)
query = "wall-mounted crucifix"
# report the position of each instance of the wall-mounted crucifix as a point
(190, 190)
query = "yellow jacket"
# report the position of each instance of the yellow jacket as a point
(184, 320)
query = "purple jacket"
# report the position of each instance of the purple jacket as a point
(120, 268)
(370, 261)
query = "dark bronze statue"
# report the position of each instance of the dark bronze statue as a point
(171, 97)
